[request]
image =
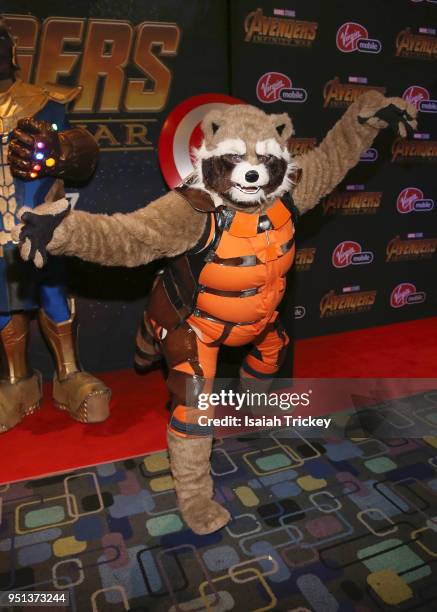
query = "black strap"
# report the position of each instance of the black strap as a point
(287, 199)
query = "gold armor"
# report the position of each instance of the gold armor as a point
(20, 387)
(81, 394)
(19, 101)
(84, 397)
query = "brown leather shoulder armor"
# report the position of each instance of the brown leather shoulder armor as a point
(197, 198)
(178, 285)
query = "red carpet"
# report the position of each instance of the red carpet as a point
(50, 441)
(402, 350)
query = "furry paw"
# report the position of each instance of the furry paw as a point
(205, 516)
(36, 231)
(397, 114)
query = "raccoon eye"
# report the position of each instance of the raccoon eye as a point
(265, 158)
(233, 158)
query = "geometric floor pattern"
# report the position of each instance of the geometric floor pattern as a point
(318, 525)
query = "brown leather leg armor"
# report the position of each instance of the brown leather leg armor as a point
(20, 387)
(181, 347)
(82, 395)
(147, 351)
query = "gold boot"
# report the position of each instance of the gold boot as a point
(83, 396)
(191, 470)
(20, 387)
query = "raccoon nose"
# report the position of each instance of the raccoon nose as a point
(251, 176)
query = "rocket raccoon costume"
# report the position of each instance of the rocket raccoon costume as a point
(226, 290)
(228, 236)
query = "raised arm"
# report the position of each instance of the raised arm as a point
(165, 228)
(324, 167)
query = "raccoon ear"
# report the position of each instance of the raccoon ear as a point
(211, 123)
(283, 126)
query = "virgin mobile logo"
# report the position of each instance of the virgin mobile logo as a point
(412, 199)
(420, 98)
(349, 253)
(353, 36)
(299, 312)
(406, 294)
(275, 86)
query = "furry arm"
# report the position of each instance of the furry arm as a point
(166, 227)
(324, 167)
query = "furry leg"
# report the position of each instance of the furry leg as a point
(191, 469)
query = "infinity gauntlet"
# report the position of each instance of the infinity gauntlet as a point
(37, 149)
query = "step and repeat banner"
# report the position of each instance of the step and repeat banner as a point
(136, 61)
(366, 255)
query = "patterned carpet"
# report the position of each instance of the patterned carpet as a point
(334, 525)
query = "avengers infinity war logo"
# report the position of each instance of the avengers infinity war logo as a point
(122, 68)
(353, 36)
(411, 199)
(305, 258)
(341, 95)
(350, 301)
(412, 248)
(414, 150)
(352, 203)
(416, 46)
(275, 86)
(406, 294)
(275, 30)
(349, 253)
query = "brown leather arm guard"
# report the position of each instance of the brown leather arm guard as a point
(79, 154)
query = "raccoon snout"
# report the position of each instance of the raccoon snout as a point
(247, 174)
(252, 176)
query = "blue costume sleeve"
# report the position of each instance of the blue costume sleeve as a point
(23, 287)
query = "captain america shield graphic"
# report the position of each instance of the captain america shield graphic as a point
(181, 133)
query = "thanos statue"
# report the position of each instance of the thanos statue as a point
(38, 151)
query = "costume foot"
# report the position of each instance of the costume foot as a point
(190, 466)
(18, 400)
(84, 397)
(204, 515)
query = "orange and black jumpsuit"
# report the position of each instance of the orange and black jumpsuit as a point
(224, 291)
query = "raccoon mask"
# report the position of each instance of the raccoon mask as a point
(244, 161)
